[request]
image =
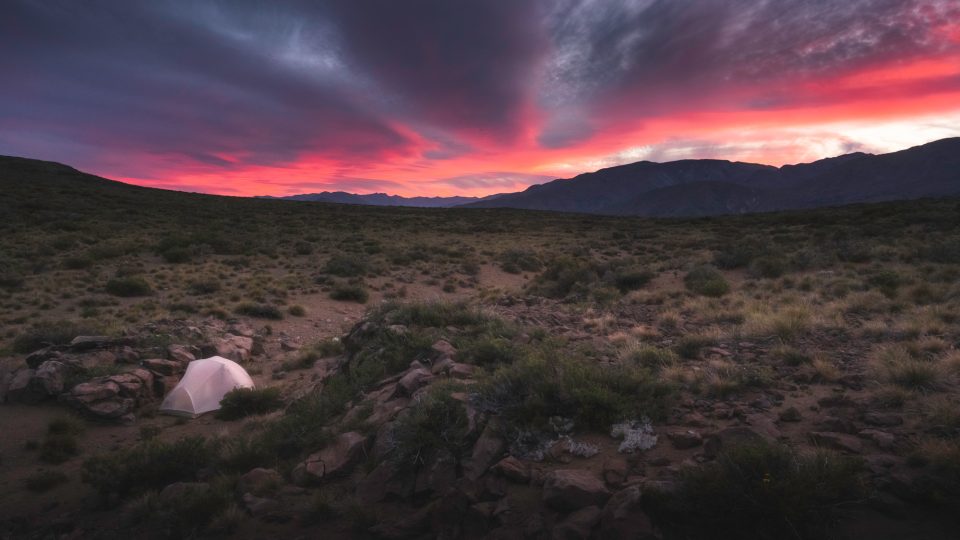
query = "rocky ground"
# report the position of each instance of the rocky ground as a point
(473, 374)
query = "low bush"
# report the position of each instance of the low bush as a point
(632, 279)
(151, 465)
(435, 428)
(768, 267)
(259, 311)
(243, 402)
(515, 261)
(129, 286)
(347, 266)
(761, 491)
(350, 293)
(706, 281)
(45, 333)
(548, 383)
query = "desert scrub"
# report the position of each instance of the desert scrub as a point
(259, 311)
(435, 428)
(707, 281)
(515, 261)
(894, 364)
(762, 491)
(45, 333)
(149, 465)
(648, 356)
(242, 402)
(548, 383)
(297, 311)
(129, 287)
(631, 279)
(347, 292)
(347, 265)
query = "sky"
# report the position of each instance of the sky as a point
(468, 97)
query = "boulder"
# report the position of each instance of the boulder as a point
(382, 482)
(442, 365)
(126, 355)
(336, 459)
(623, 517)
(571, 489)
(163, 367)
(414, 380)
(837, 441)
(36, 358)
(50, 377)
(578, 525)
(231, 347)
(683, 440)
(85, 343)
(486, 451)
(22, 390)
(513, 469)
(462, 371)
(113, 396)
(443, 348)
(259, 481)
(181, 354)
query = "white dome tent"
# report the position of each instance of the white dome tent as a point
(204, 385)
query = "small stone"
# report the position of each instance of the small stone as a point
(683, 440)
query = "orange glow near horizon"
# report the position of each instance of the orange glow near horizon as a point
(911, 94)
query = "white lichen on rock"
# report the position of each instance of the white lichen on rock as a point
(637, 435)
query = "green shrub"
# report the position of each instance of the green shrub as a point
(768, 267)
(202, 287)
(177, 255)
(243, 402)
(45, 333)
(762, 491)
(652, 357)
(42, 481)
(489, 351)
(631, 280)
(515, 261)
(58, 447)
(707, 281)
(347, 266)
(297, 311)
(129, 286)
(150, 465)
(548, 383)
(563, 277)
(689, 346)
(259, 311)
(435, 427)
(350, 293)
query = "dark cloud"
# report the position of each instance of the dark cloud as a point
(143, 87)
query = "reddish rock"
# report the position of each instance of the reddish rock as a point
(578, 525)
(335, 460)
(414, 380)
(571, 489)
(683, 440)
(513, 469)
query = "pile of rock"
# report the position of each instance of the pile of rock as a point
(136, 377)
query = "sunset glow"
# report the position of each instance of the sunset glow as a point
(467, 98)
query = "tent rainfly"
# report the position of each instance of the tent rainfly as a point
(204, 385)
